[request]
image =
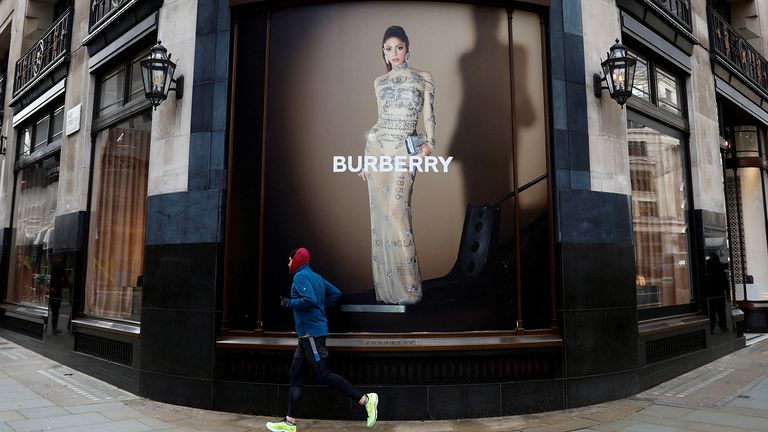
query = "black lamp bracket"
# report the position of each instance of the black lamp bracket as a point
(178, 86)
(597, 84)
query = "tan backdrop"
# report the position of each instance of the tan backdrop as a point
(323, 61)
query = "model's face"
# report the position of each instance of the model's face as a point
(395, 50)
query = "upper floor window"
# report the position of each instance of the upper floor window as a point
(121, 85)
(657, 85)
(45, 128)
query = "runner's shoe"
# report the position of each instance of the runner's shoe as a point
(281, 426)
(371, 408)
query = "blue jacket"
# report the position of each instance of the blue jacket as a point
(310, 295)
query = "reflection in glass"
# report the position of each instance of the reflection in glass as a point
(32, 235)
(667, 89)
(116, 249)
(111, 91)
(659, 220)
(642, 86)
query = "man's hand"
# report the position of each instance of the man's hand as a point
(284, 302)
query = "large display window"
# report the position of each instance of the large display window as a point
(456, 238)
(659, 214)
(118, 219)
(32, 264)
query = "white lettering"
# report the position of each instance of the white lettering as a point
(430, 162)
(445, 162)
(338, 164)
(354, 168)
(414, 164)
(400, 162)
(385, 164)
(370, 163)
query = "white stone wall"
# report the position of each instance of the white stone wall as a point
(7, 13)
(704, 143)
(608, 154)
(169, 154)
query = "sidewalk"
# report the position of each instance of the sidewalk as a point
(728, 395)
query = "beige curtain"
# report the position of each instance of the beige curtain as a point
(116, 252)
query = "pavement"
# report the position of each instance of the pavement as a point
(727, 395)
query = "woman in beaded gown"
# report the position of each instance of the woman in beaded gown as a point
(402, 95)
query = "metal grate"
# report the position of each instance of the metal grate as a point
(675, 346)
(103, 348)
(736, 228)
(399, 369)
(29, 328)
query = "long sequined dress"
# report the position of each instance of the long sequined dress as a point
(402, 95)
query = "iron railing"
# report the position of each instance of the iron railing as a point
(102, 10)
(679, 10)
(732, 49)
(44, 54)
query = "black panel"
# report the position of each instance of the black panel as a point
(70, 232)
(600, 341)
(593, 217)
(5, 251)
(467, 401)
(601, 388)
(532, 396)
(184, 217)
(177, 390)
(598, 275)
(177, 342)
(181, 276)
(248, 398)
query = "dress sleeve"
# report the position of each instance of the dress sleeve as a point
(429, 109)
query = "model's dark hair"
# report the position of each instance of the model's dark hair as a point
(293, 252)
(398, 32)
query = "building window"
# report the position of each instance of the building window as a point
(116, 239)
(32, 236)
(660, 225)
(42, 130)
(657, 85)
(121, 85)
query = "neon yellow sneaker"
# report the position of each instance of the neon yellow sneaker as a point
(281, 426)
(371, 408)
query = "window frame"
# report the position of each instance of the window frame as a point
(690, 219)
(129, 107)
(652, 108)
(52, 142)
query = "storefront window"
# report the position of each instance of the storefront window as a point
(116, 239)
(32, 237)
(662, 260)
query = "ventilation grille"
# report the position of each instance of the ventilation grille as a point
(399, 369)
(29, 328)
(675, 346)
(103, 348)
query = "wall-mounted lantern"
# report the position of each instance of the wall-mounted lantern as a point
(157, 75)
(618, 74)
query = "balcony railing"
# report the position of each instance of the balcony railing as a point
(102, 10)
(44, 54)
(680, 10)
(736, 52)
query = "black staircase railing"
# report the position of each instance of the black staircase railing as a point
(679, 10)
(44, 54)
(732, 49)
(102, 10)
